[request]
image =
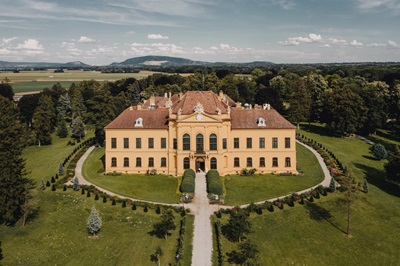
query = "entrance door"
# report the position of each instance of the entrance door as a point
(200, 164)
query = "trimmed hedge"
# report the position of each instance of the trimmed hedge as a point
(214, 183)
(188, 181)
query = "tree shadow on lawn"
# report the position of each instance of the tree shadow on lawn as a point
(319, 214)
(377, 178)
(320, 130)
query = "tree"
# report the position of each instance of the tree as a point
(62, 130)
(42, 120)
(78, 107)
(1, 252)
(247, 252)
(238, 225)
(344, 111)
(332, 185)
(379, 151)
(76, 183)
(64, 105)
(78, 128)
(94, 222)
(156, 257)
(13, 181)
(299, 103)
(6, 90)
(349, 190)
(162, 228)
(316, 85)
(365, 186)
(392, 167)
(61, 169)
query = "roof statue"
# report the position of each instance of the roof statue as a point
(198, 108)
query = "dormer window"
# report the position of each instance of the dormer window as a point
(139, 122)
(152, 106)
(246, 106)
(261, 122)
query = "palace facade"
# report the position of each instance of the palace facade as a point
(199, 130)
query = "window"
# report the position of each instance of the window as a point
(262, 162)
(249, 162)
(139, 122)
(287, 162)
(186, 142)
(151, 162)
(236, 143)
(138, 143)
(275, 143)
(151, 143)
(275, 162)
(113, 162)
(163, 162)
(249, 143)
(163, 143)
(224, 144)
(213, 163)
(213, 142)
(186, 163)
(126, 162)
(138, 162)
(113, 143)
(287, 143)
(261, 122)
(175, 144)
(199, 143)
(262, 143)
(126, 143)
(236, 162)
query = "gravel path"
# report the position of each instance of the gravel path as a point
(202, 235)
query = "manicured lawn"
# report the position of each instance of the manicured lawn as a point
(293, 236)
(43, 162)
(388, 138)
(246, 189)
(58, 236)
(157, 188)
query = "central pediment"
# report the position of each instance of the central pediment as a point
(198, 117)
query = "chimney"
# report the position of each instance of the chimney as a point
(180, 96)
(221, 95)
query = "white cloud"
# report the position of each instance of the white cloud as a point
(376, 44)
(374, 4)
(30, 44)
(84, 39)
(157, 37)
(71, 48)
(156, 48)
(6, 41)
(393, 44)
(356, 43)
(337, 41)
(294, 41)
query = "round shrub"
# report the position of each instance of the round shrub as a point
(145, 209)
(124, 204)
(134, 206)
(65, 188)
(379, 151)
(96, 197)
(104, 199)
(88, 194)
(113, 202)
(158, 210)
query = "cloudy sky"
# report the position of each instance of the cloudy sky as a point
(281, 31)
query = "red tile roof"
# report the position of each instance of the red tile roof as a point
(248, 119)
(207, 99)
(155, 119)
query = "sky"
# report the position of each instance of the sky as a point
(100, 32)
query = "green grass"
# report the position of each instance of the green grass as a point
(43, 162)
(388, 138)
(157, 188)
(58, 236)
(294, 237)
(37, 86)
(246, 189)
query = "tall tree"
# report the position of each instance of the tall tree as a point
(299, 103)
(100, 111)
(13, 181)
(238, 225)
(78, 107)
(344, 111)
(62, 130)
(94, 222)
(78, 128)
(162, 228)
(317, 86)
(6, 90)
(349, 190)
(64, 105)
(392, 167)
(42, 120)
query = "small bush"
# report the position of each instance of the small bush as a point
(124, 204)
(96, 197)
(145, 209)
(379, 151)
(53, 187)
(83, 191)
(113, 202)
(88, 194)
(47, 184)
(65, 188)
(134, 206)
(158, 210)
(104, 199)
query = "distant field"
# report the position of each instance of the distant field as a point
(27, 81)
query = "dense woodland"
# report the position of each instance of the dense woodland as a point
(347, 99)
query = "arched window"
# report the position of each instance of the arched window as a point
(213, 163)
(275, 162)
(126, 162)
(186, 142)
(249, 162)
(113, 162)
(139, 122)
(262, 162)
(213, 142)
(138, 162)
(287, 162)
(151, 162)
(186, 163)
(199, 143)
